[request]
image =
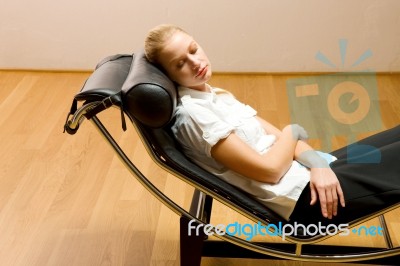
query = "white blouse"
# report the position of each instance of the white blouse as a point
(204, 118)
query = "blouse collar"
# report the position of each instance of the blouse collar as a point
(183, 91)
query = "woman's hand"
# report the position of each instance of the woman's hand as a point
(325, 186)
(298, 132)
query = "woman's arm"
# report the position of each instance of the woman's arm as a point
(302, 148)
(324, 184)
(236, 155)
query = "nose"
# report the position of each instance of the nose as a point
(194, 62)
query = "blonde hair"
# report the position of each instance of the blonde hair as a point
(156, 39)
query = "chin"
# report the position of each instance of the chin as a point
(208, 76)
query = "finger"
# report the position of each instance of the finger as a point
(304, 134)
(335, 202)
(341, 195)
(322, 201)
(313, 194)
(329, 203)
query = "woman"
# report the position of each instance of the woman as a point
(276, 166)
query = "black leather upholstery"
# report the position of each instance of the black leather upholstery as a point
(107, 79)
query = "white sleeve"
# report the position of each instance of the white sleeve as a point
(203, 128)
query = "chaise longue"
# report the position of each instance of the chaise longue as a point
(148, 99)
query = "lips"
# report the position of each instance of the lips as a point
(201, 72)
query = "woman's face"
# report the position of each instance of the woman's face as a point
(185, 61)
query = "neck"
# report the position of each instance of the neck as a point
(203, 87)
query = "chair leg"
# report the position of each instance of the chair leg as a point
(191, 246)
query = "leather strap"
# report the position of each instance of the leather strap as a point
(107, 103)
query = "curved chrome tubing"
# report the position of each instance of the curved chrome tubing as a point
(72, 124)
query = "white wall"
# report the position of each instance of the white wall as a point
(250, 35)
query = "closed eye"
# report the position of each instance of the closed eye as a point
(180, 64)
(193, 48)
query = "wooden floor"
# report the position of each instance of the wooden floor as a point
(67, 200)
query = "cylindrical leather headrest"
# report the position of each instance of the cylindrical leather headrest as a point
(149, 95)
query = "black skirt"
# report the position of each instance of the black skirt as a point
(369, 174)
